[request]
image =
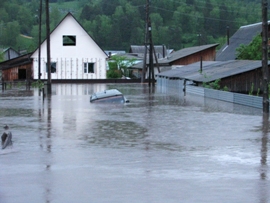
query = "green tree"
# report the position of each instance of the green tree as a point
(25, 20)
(113, 71)
(103, 30)
(1, 57)
(252, 51)
(55, 17)
(10, 33)
(35, 33)
(89, 12)
(3, 15)
(108, 8)
(122, 64)
(12, 10)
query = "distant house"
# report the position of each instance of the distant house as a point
(74, 54)
(244, 35)
(114, 52)
(183, 57)
(160, 50)
(190, 55)
(236, 75)
(9, 53)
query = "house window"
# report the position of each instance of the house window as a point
(89, 67)
(69, 40)
(53, 67)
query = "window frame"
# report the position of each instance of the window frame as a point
(88, 67)
(53, 67)
(69, 40)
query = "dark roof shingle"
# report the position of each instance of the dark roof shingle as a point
(244, 36)
(211, 70)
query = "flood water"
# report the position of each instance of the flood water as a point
(160, 147)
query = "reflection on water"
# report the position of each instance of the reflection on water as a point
(264, 167)
(264, 141)
(160, 147)
(117, 133)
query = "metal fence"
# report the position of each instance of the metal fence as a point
(242, 99)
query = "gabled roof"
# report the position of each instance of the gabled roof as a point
(176, 55)
(244, 36)
(70, 14)
(211, 70)
(160, 50)
(8, 48)
(9, 53)
(20, 60)
(184, 53)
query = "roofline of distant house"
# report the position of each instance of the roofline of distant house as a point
(244, 26)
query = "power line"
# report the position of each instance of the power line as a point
(197, 16)
(212, 4)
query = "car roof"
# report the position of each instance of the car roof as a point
(107, 93)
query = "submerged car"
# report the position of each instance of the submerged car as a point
(108, 96)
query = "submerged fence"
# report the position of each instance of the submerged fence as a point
(181, 87)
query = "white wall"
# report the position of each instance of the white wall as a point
(70, 59)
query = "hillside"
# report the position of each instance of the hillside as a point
(118, 24)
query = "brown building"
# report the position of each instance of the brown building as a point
(19, 68)
(239, 76)
(190, 55)
(182, 57)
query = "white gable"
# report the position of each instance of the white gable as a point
(70, 56)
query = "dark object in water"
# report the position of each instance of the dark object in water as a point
(108, 96)
(6, 138)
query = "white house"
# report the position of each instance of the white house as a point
(74, 54)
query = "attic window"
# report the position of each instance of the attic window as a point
(69, 40)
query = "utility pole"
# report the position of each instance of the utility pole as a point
(265, 57)
(228, 35)
(199, 39)
(145, 44)
(148, 43)
(151, 78)
(49, 82)
(39, 37)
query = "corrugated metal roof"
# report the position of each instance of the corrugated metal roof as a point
(176, 55)
(184, 52)
(244, 36)
(160, 50)
(211, 70)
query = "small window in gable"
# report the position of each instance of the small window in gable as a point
(69, 40)
(89, 67)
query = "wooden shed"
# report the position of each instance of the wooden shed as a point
(190, 55)
(182, 57)
(240, 76)
(19, 68)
